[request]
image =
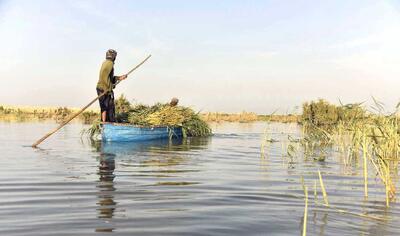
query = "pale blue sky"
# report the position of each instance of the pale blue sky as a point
(214, 55)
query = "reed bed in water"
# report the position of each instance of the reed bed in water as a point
(358, 135)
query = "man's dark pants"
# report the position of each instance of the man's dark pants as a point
(107, 105)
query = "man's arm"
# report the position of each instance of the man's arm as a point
(122, 77)
(117, 78)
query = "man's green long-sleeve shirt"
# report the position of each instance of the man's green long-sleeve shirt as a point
(106, 76)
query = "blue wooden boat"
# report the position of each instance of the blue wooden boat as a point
(117, 132)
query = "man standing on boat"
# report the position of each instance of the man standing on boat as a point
(107, 82)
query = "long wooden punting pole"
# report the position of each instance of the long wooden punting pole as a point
(84, 108)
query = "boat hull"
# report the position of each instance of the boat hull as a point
(128, 133)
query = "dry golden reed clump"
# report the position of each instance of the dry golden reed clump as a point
(162, 114)
(167, 115)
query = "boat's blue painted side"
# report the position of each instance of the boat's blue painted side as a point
(124, 133)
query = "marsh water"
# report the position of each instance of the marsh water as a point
(220, 185)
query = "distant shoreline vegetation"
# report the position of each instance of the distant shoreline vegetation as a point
(247, 117)
(319, 112)
(59, 114)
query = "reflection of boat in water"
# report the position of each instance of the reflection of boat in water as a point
(174, 145)
(114, 132)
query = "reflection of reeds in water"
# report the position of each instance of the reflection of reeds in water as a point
(304, 233)
(365, 164)
(305, 211)
(163, 161)
(170, 183)
(321, 182)
(264, 141)
(326, 203)
(266, 138)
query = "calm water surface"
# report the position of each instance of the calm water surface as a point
(205, 186)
